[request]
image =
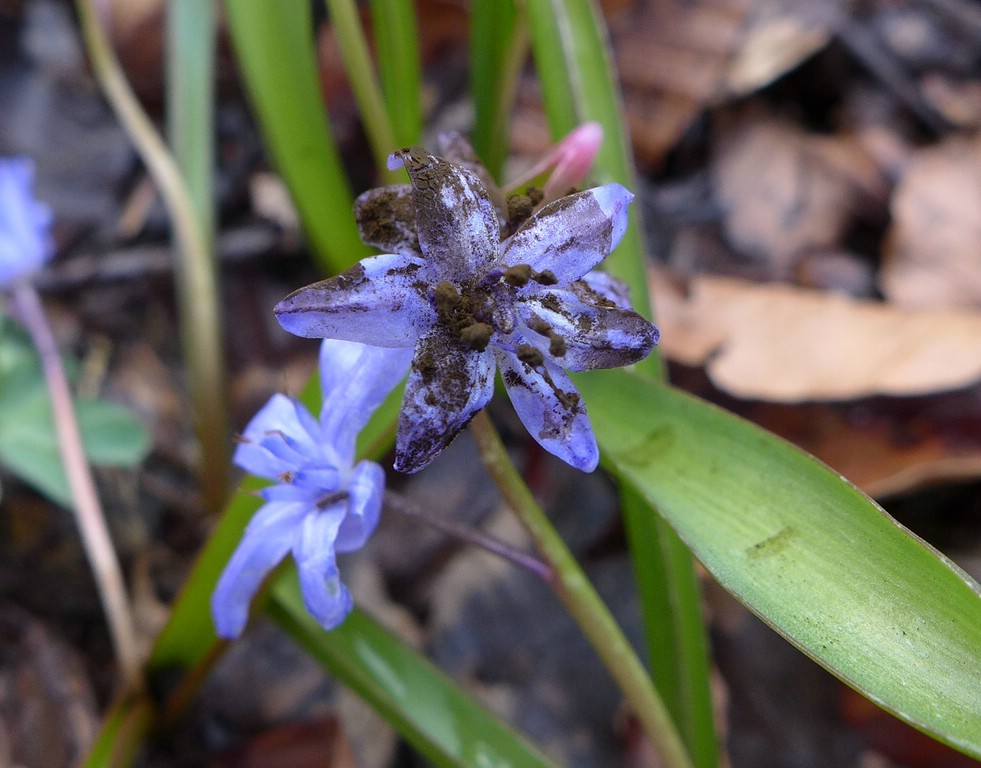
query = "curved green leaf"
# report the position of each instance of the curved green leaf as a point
(274, 42)
(436, 716)
(805, 550)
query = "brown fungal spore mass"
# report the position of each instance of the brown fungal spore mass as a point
(386, 219)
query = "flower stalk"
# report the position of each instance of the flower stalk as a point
(580, 599)
(26, 307)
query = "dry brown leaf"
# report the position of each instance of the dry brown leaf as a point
(933, 250)
(786, 344)
(675, 58)
(785, 192)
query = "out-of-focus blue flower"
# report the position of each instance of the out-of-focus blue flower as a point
(25, 224)
(322, 503)
(468, 302)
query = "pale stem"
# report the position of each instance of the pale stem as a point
(87, 509)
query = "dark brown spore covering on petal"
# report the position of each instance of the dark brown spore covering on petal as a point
(386, 219)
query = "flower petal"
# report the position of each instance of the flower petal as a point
(549, 406)
(447, 385)
(267, 539)
(25, 224)
(380, 301)
(387, 219)
(277, 439)
(458, 228)
(583, 336)
(597, 285)
(365, 491)
(572, 235)
(355, 379)
(327, 599)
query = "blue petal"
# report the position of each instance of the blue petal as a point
(355, 379)
(284, 492)
(25, 224)
(602, 285)
(324, 595)
(267, 539)
(447, 385)
(549, 406)
(379, 301)
(365, 491)
(572, 235)
(321, 480)
(591, 336)
(458, 227)
(277, 440)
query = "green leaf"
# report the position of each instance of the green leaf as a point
(673, 624)
(805, 550)
(498, 50)
(574, 66)
(397, 45)
(274, 43)
(111, 435)
(439, 719)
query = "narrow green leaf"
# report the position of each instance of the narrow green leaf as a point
(674, 625)
(397, 44)
(438, 718)
(274, 42)
(805, 550)
(498, 49)
(346, 23)
(191, 30)
(573, 61)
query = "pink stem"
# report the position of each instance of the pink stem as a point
(26, 306)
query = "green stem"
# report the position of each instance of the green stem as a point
(581, 600)
(194, 272)
(353, 45)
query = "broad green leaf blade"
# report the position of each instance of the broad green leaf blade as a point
(805, 550)
(439, 719)
(111, 435)
(274, 44)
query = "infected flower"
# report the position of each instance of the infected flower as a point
(322, 503)
(25, 224)
(468, 301)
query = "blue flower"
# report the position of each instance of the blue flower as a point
(469, 302)
(322, 503)
(25, 224)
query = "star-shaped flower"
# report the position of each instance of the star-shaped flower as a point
(25, 224)
(322, 502)
(468, 302)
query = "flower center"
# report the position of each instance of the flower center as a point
(474, 311)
